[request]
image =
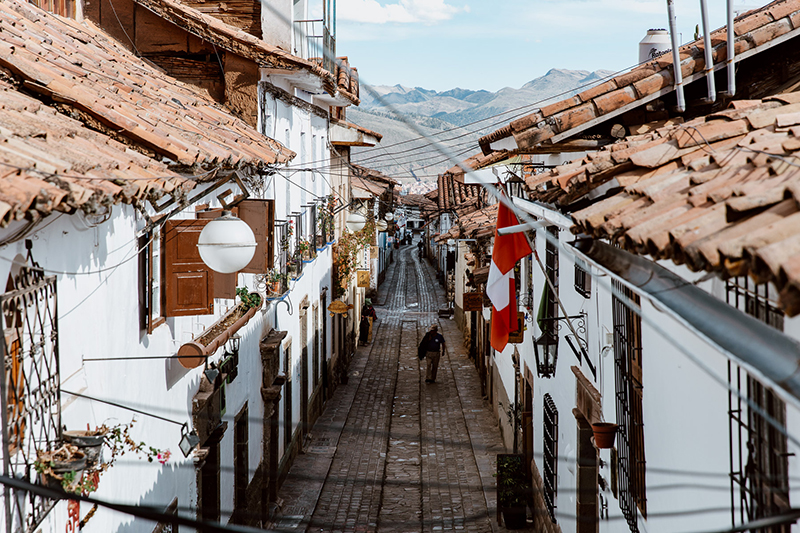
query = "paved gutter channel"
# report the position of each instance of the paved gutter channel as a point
(392, 453)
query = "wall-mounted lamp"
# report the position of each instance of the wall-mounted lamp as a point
(382, 225)
(227, 244)
(211, 372)
(189, 440)
(355, 222)
(389, 216)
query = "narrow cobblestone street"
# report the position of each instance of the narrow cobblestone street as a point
(392, 453)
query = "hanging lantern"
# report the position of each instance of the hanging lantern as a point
(355, 222)
(227, 244)
(389, 216)
(382, 225)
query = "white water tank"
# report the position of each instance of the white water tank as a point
(655, 43)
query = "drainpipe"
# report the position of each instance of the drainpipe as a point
(731, 52)
(712, 90)
(676, 56)
(749, 341)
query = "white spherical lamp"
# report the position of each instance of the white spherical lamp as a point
(389, 216)
(382, 225)
(355, 222)
(226, 244)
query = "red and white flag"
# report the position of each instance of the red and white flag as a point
(508, 249)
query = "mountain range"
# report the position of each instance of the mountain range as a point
(456, 118)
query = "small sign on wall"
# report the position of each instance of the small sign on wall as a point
(473, 301)
(362, 278)
(516, 337)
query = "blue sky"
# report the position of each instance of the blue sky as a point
(491, 44)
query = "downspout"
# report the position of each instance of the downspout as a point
(712, 90)
(744, 338)
(676, 56)
(731, 52)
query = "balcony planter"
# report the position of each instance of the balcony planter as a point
(193, 354)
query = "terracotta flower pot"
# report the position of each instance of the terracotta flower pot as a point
(604, 434)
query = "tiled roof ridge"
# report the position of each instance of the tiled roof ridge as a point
(240, 42)
(371, 174)
(752, 29)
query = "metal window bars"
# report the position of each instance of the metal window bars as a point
(313, 40)
(550, 452)
(758, 457)
(630, 436)
(583, 280)
(283, 255)
(31, 408)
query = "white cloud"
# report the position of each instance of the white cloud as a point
(404, 11)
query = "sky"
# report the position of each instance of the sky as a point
(491, 44)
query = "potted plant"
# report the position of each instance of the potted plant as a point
(304, 248)
(513, 488)
(275, 281)
(604, 434)
(89, 441)
(61, 467)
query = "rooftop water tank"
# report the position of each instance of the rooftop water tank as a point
(655, 43)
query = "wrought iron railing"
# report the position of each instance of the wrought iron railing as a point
(550, 452)
(583, 280)
(31, 410)
(314, 41)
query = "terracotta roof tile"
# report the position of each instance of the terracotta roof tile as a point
(753, 29)
(726, 204)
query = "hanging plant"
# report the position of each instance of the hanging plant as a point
(345, 255)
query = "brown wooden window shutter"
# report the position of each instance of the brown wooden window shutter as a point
(224, 284)
(260, 216)
(189, 283)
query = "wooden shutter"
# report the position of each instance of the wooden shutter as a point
(224, 284)
(189, 283)
(260, 216)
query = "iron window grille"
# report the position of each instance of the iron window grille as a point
(283, 257)
(630, 435)
(314, 230)
(31, 408)
(551, 304)
(759, 470)
(583, 280)
(299, 234)
(550, 477)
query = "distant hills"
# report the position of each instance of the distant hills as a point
(466, 113)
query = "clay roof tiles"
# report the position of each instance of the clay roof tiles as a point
(82, 67)
(238, 41)
(576, 113)
(52, 161)
(720, 194)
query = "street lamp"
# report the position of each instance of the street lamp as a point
(389, 216)
(226, 244)
(189, 440)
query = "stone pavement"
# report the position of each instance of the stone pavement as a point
(392, 453)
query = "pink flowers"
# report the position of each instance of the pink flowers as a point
(163, 456)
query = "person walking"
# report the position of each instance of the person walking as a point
(369, 312)
(436, 346)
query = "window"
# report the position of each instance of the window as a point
(30, 381)
(548, 322)
(758, 451)
(174, 281)
(583, 280)
(241, 472)
(151, 269)
(630, 436)
(550, 453)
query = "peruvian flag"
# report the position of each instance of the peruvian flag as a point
(508, 249)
